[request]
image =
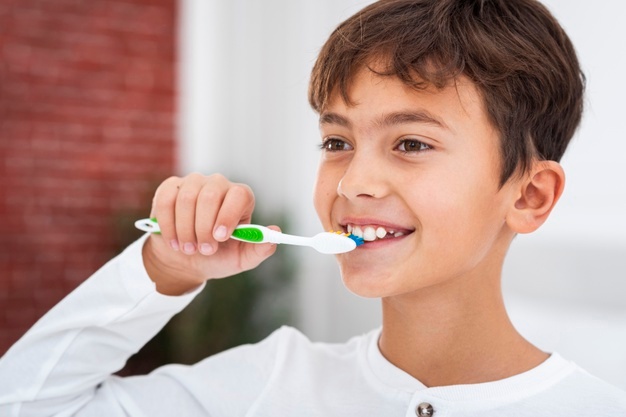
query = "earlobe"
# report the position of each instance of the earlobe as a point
(537, 195)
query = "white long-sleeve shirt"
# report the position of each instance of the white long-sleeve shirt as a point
(63, 367)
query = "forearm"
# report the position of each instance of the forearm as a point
(86, 337)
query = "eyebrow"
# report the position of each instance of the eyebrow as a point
(389, 119)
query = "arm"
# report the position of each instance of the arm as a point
(85, 338)
(64, 363)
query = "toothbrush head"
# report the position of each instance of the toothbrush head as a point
(358, 240)
(336, 242)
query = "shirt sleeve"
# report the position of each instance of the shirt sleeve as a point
(63, 364)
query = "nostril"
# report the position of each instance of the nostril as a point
(362, 182)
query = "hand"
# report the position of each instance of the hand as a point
(196, 215)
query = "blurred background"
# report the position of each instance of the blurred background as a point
(100, 100)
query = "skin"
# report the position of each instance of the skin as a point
(433, 173)
(444, 193)
(197, 214)
(425, 163)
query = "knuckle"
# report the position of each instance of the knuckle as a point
(186, 197)
(165, 188)
(194, 176)
(242, 191)
(241, 195)
(170, 182)
(209, 195)
(217, 176)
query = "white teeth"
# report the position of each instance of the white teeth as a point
(369, 234)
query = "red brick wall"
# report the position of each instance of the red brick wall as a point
(86, 130)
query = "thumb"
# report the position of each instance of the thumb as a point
(254, 254)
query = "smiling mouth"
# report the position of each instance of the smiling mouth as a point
(370, 233)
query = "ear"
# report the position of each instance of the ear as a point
(538, 193)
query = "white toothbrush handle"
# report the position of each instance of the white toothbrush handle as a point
(148, 225)
(273, 236)
(269, 235)
(278, 237)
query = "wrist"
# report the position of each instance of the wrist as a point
(168, 279)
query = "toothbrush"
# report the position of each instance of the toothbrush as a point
(325, 242)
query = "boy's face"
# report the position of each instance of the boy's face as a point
(422, 166)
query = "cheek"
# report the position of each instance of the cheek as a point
(477, 227)
(463, 211)
(324, 193)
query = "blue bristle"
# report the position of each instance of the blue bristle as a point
(358, 240)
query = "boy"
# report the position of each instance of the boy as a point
(442, 122)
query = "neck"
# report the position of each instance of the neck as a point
(455, 333)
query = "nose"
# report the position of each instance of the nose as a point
(364, 177)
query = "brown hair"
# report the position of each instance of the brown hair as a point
(515, 52)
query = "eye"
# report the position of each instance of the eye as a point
(412, 145)
(335, 145)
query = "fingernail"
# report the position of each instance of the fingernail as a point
(189, 248)
(206, 249)
(174, 244)
(220, 232)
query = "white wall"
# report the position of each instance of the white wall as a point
(244, 71)
(566, 284)
(244, 74)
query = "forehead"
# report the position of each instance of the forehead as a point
(381, 100)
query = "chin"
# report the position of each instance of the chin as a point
(366, 285)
